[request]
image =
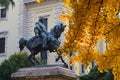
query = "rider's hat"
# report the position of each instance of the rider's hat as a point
(40, 17)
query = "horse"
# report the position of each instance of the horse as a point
(52, 44)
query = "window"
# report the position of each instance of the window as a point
(3, 41)
(2, 45)
(3, 13)
(82, 68)
(93, 64)
(72, 67)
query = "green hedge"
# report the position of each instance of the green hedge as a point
(94, 74)
(12, 64)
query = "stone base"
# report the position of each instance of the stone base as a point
(44, 73)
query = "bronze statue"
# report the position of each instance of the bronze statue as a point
(36, 44)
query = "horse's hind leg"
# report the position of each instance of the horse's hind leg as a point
(38, 62)
(30, 59)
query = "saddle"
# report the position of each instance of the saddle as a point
(35, 41)
(51, 41)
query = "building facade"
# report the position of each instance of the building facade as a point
(8, 31)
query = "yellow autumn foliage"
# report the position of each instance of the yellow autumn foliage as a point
(90, 20)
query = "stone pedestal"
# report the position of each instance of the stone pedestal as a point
(44, 73)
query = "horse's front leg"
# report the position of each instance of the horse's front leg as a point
(65, 64)
(57, 59)
(60, 57)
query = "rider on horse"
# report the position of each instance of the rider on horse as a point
(40, 31)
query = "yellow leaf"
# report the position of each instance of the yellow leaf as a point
(38, 1)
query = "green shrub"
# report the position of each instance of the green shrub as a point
(94, 74)
(12, 64)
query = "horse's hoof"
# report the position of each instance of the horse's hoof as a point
(66, 65)
(56, 59)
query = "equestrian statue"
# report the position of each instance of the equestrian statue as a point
(43, 41)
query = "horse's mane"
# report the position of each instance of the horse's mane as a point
(22, 40)
(55, 30)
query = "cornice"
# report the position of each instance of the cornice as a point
(30, 1)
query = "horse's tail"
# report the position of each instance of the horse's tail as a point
(22, 42)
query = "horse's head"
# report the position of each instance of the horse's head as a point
(61, 27)
(22, 43)
(57, 30)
